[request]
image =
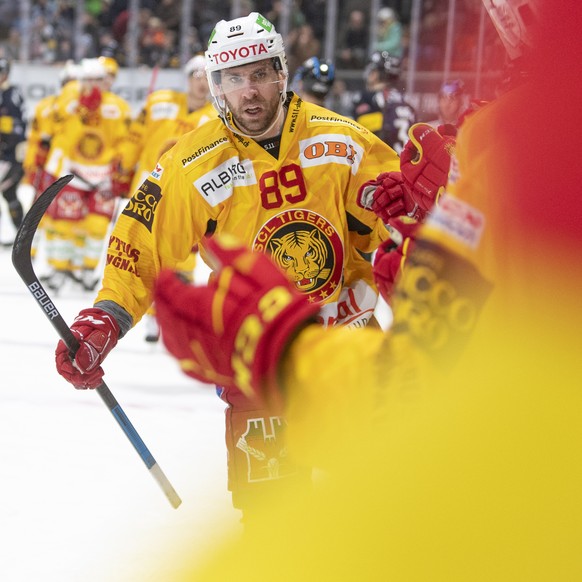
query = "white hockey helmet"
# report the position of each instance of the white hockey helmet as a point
(69, 72)
(197, 64)
(239, 42)
(514, 21)
(92, 69)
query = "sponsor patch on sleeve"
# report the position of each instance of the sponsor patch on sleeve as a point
(157, 172)
(458, 220)
(143, 204)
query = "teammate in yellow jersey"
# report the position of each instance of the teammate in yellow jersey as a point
(42, 129)
(165, 117)
(111, 69)
(281, 174)
(92, 123)
(453, 443)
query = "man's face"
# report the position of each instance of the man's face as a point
(450, 106)
(252, 93)
(198, 85)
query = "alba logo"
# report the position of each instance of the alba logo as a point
(331, 148)
(238, 53)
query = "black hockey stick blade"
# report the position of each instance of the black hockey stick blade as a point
(22, 261)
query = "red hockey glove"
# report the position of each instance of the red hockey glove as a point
(97, 333)
(233, 331)
(392, 253)
(120, 181)
(388, 196)
(424, 163)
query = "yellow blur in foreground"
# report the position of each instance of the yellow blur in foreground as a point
(477, 480)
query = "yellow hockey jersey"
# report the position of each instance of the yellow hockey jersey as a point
(162, 120)
(300, 207)
(473, 474)
(88, 150)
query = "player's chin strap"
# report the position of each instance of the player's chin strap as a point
(227, 119)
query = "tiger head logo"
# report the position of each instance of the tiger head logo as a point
(308, 248)
(302, 255)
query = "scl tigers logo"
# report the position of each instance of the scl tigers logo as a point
(308, 248)
(302, 254)
(90, 146)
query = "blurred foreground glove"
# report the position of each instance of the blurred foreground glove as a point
(388, 196)
(97, 333)
(233, 331)
(424, 163)
(392, 253)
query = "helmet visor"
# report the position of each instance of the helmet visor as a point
(259, 75)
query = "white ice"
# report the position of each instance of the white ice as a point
(77, 504)
(76, 501)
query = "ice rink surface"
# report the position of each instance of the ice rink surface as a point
(76, 501)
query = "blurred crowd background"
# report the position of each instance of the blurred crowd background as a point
(436, 39)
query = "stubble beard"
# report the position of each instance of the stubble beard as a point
(260, 125)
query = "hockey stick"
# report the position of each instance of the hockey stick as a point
(22, 262)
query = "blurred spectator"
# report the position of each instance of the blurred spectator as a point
(10, 47)
(297, 18)
(9, 15)
(301, 44)
(433, 34)
(170, 12)
(244, 7)
(156, 43)
(354, 42)
(388, 33)
(207, 14)
(315, 12)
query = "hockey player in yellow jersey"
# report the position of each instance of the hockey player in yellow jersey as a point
(42, 129)
(453, 443)
(281, 174)
(167, 115)
(92, 124)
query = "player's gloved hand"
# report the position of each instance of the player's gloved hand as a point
(232, 332)
(392, 254)
(424, 163)
(97, 333)
(120, 181)
(387, 196)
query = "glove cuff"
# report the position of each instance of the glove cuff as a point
(266, 371)
(261, 341)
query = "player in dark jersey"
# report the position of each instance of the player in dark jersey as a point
(382, 107)
(12, 142)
